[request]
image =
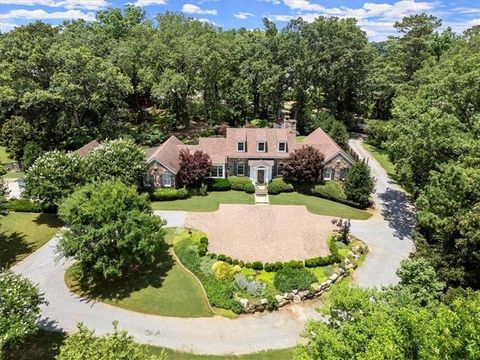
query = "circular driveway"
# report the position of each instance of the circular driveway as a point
(265, 233)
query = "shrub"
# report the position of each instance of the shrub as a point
(239, 182)
(194, 167)
(3, 171)
(198, 191)
(218, 184)
(304, 165)
(24, 205)
(297, 264)
(202, 249)
(249, 188)
(359, 184)
(223, 271)
(252, 287)
(204, 240)
(272, 267)
(277, 186)
(332, 190)
(257, 265)
(320, 261)
(288, 279)
(221, 257)
(168, 194)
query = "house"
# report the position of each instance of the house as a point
(87, 148)
(258, 153)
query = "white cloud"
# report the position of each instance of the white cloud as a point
(208, 21)
(281, 18)
(474, 22)
(243, 15)
(43, 15)
(467, 10)
(6, 27)
(274, 2)
(68, 4)
(194, 9)
(142, 3)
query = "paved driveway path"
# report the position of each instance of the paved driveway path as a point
(387, 233)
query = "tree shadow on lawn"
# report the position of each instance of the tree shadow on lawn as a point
(398, 212)
(51, 220)
(120, 289)
(12, 245)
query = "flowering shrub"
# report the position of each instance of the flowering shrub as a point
(223, 271)
(19, 309)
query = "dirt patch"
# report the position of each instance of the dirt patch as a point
(264, 232)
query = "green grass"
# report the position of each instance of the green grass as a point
(382, 157)
(23, 233)
(14, 175)
(210, 202)
(45, 345)
(300, 139)
(167, 290)
(5, 156)
(319, 206)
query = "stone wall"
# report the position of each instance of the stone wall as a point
(338, 163)
(157, 170)
(296, 296)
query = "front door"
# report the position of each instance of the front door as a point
(261, 176)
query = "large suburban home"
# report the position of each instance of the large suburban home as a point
(258, 153)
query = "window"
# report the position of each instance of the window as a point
(241, 147)
(282, 146)
(167, 180)
(241, 169)
(148, 180)
(343, 173)
(327, 174)
(217, 171)
(261, 146)
(280, 169)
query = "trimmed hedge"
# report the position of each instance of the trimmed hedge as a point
(218, 184)
(277, 186)
(332, 190)
(333, 258)
(273, 267)
(288, 279)
(249, 188)
(24, 205)
(166, 194)
(238, 182)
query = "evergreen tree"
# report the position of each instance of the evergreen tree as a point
(359, 184)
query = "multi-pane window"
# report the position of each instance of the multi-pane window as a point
(282, 146)
(217, 171)
(327, 173)
(241, 169)
(167, 180)
(261, 146)
(241, 147)
(280, 169)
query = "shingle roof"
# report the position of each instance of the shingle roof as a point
(167, 154)
(320, 140)
(87, 148)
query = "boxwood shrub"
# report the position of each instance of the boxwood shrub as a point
(249, 188)
(238, 182)
(24, 205)
(277, 186)
(288, 279)
(166, 194)
(257, 265)
(272, 267)
(332, 190)
(218, 184)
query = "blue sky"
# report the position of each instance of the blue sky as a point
(376, 17)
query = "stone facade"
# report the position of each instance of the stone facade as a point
(157, 176)
(339, 165)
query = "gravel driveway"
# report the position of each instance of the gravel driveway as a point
(264, 232)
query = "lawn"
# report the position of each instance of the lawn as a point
(14, 175)
(210, 202)
(382, 157)
(4, 156)
(45, 345)
(23, 233)
(167, 290)
(300, 139)
(319, 206)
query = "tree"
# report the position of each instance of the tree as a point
(419, 276)
(194, 167)
(53, 176)
(304, 165)
(15, 134)
(120, 160)
(359, 184)
(85, 345)
(112, 232)
(3, 197)
(20, 303)
(31, 152)
(335, 129)
(370, 324)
